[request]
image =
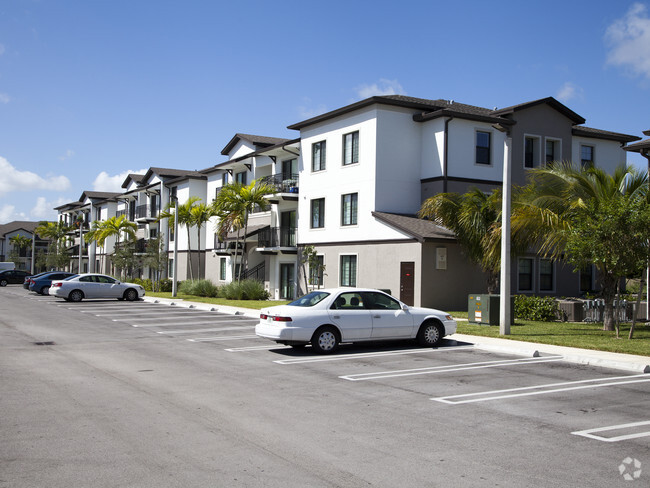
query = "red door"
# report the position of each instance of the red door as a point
(407, 282)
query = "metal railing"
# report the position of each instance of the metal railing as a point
(595, 310)
(146, 212)
(256, 273)
(277, 237)
(283, 182)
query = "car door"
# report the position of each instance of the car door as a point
(389, 320)
(108, 287)
(349, 314)
(88, 286)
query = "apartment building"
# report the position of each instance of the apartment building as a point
(22, 257)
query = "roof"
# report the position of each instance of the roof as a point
(169, 173)
(420, 229)
(640, 147)
(258, 141)
(98, 195)
(69, 205)
(136, 178)
(550, 101)
(26, 225)
(281, 145)
(603, 134)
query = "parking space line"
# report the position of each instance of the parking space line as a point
(255, 348)
(197, 322)
(590, 432)
(197, 331)
(217, 339)
(340, 357)
(147, 319)
(449, 369)
(534, 390)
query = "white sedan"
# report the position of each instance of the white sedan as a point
(90, 285)
(326, 318)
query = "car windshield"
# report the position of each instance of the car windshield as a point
(310, 299)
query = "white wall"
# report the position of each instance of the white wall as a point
(608, 155)
(462, 151)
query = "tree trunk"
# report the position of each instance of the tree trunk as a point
(189, 253)
(638, 305)
(198, 230)
(492, 282)
(609, 291)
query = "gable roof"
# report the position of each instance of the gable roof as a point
(169, 173)
(420, 229)
(550, 101)
(258, 141)
(98, 195)
(26, 225)
(642, 147)
(135, 178)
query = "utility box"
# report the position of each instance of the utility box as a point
(571, 310)
(484, 309)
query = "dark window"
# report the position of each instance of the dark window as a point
(587, 279)
(529, 152)
(349, 204)
(525, 274)
(318, 213)
(379, 301)
(222, 269)
(545, 275)
(551, 151)
(224, 179)
(348, 271)
(483, 147)
(241, 178)
(290, 169)
(318, 150)
(351, 148)
(587, 156)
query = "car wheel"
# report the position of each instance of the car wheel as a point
(325, 340)
(75, 296)
(45, 290)
(430, 334)
(131, 295)
(3, 282)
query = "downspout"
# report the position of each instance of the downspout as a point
(445, 163)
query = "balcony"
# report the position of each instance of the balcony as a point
(225, 247)
(146, 213)
(283, 183)
(119, 213)
(278, 238)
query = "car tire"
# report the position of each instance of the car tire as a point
(430, 334)
(75, 296)
(45, 290)
(3, 282)
(131, 295)
(325, 340)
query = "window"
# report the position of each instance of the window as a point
(531, 152)
(483, 147)
(318, 213)
(587, 279)
(224, 179)
(170, 271)
(222, 269)
(545, 275)
(318, 156)
(290, 169)
(525, 274)
(349, 204)
(348, 271)
(172, 194)
(153, 233)
(241, 178)
(348, 301)
(379, 301)
(316, 272)
(351, 148)
(587, 156)
(552, 150)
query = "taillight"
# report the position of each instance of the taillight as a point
(282, 319)
(264, 316)
(55, 285)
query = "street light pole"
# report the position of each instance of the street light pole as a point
(175, 265)
(504, 297)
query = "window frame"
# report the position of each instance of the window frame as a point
(322, 157)
(238, 177)
(477, 147)
(350, 279)
(321, 213)
(540, 274)
(530, 275)
(535, 152)
(223, 267)
(354, 145)
(354, 209)
(588, 163)
(557, 153)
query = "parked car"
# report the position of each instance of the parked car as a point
(13, 276)
(27, 281)
(41, 283)
(328, 317)
(91, 285)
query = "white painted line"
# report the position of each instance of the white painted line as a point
(176, 323)
(590, 432)
(197, 331)
(216, 339)
(160, 318)
(449, 368)
(154, 315)
(340, 357)
(255, 348)
(529, 390)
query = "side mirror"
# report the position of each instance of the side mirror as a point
(405, 307)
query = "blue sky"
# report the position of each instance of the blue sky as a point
(92, 90)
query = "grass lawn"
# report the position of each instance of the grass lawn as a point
(254, 304)
(572, 334)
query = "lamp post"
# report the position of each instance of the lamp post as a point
(175, 264)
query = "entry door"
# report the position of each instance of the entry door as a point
(286, 281)
(288, 229)
(407, 282)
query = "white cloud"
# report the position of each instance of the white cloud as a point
(68, 154)
(383, 87)
(306, 111)
(7, 213)
(106, 182)
(44, 210)
(628, 39)
(569, 91)
(15, 180)
(4, 98)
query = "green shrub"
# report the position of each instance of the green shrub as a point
(166, 285)
(199, 288)
(542, 309)
(244, 290)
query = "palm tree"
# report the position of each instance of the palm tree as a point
(555, 205)
(475, 218)
(184, 219)
(20, 242)
(228, 207)
(115, 226)
(96, 234)
(54, 233)
(200, 214)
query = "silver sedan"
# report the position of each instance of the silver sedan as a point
(90, 285)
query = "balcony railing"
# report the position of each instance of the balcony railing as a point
(146, 212)
(277, 237)
(283, 183)
(119, 213)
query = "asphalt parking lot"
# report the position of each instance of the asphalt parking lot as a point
(470, 417)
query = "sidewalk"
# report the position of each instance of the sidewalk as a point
(613, 360)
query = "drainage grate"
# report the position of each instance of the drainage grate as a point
(44, 343)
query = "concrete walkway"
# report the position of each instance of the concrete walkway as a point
(625, 362)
